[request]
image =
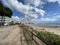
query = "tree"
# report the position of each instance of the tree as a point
(4, 11)
(7, 12)
(1, 9)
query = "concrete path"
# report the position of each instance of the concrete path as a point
(12, 35)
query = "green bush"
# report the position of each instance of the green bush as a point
(48, 37)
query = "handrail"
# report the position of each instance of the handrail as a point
(34, 35)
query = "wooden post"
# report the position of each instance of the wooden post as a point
(32, 35)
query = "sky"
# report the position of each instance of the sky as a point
(36, 11)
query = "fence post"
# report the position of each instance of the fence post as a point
(32, 33)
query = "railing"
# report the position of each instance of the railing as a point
(28, 30)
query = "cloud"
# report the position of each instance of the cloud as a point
(5, 3)
(43, 20)
(40, 11)
(48, 19)
(54, 19)
(54, 1)
(57, 17)
(15, 18)
(19, 6)
(31, 16)
(34, 2)
(27, 8)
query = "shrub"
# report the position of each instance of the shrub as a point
(50, 38)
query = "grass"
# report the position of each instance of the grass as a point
(50, 38)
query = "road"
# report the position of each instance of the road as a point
(11, 35)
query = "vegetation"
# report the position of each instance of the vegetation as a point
(4, 11)
(49, 38)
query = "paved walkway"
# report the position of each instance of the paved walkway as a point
(12, 35)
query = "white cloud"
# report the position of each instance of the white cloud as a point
(6, 4)
(34, 2)
(53, 19)
(44, 20)
(57, 17)
(19, 6)
(15, 18)
(26, 9)
(54, 1)
(48, 19)
(40, 11)
(32, 16)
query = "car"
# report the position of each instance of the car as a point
(6, 24)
